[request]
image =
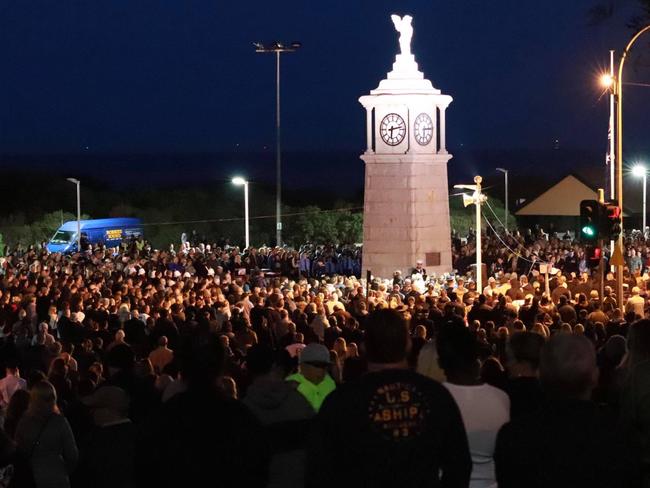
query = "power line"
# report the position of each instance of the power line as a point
(499, 237)
(494, 213)
(233, 219)
(259, 217)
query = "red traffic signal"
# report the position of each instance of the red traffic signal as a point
(594, 253)
(611, 221)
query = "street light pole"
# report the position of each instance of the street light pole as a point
(277, 48)
(478, 199)
(645, 176)
(78, 183)
(246, 221)
(241, 181)
(479, 257)
(611, 136)
(278, 155)
(505, 174)
(640, 170)
(619, 155)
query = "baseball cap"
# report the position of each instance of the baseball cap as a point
(315, 354)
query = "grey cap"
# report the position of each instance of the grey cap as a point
(315, 354)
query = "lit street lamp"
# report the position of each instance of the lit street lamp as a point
(78, 183)
(640, 171)
(608, 80)
(505, 174)
(239, 181)
(617, 87)
(277, 48)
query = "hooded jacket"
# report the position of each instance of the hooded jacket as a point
(285, 413)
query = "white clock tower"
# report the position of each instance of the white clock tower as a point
(406, 202)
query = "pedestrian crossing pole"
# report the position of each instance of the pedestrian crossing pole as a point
(479, 258)
(601, 261)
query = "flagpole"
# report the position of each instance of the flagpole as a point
(610, 132)
(612, 146)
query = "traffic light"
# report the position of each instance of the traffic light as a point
(611, 220)
(590, 211)
(593, 254)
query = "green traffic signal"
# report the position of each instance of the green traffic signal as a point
(591, 212)
(589, 231)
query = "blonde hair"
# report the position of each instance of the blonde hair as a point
(428, 363)
(340, 347)
(566, 329)
(42, 399)
(541, 329)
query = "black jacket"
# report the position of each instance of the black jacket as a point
(565, 444)
(393, 428)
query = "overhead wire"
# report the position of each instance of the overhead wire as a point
(519, 255)
(494, 213)
(232, 219)
(239, 219)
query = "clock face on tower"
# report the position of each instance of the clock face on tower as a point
(423, 129)
(392, 129)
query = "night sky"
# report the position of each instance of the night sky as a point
(170, 77)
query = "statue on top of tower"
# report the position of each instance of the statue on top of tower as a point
(405, 29)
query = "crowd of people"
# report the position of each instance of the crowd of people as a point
(213, 366)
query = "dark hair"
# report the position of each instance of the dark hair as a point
(259, 360)
(518, 325)
(457, 348)
(15, 411)
(57, 367)
(86, 386)
(638, 342)
(203, 361)
(567, 366)
(387, 338)
(121, 357)
(526, 347)
(492, 373)
(34, 377)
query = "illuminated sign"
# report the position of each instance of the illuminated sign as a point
(113, 234)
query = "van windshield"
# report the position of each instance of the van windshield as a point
(62, 237)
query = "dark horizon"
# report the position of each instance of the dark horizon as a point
(325, 177)
(166, 79)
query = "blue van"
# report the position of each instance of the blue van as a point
(109, 232)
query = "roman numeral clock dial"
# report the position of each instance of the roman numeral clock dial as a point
(423, 129)
(392, 129)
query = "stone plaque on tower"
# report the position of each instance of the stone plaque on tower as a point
(406, 199)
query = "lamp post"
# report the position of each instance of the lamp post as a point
(78, 183)
(505, 174)
(477, 198)
(617, 87)
(277, 48)
(640, 171)
(239, 181)
(607, 80)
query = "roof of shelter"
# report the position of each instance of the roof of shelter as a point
(561, 199)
